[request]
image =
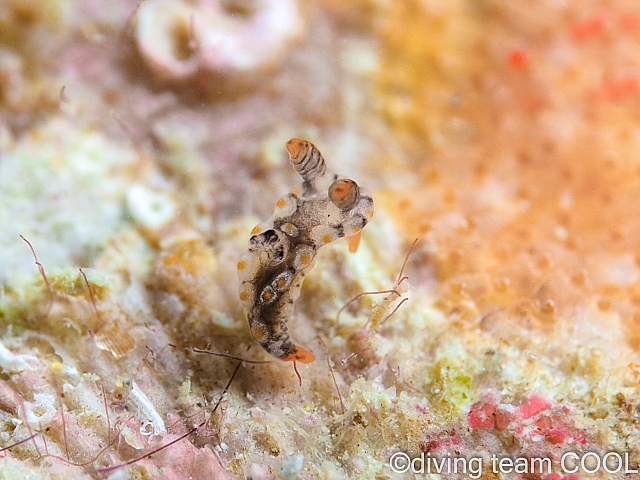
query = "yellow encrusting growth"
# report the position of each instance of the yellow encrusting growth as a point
(421, 72)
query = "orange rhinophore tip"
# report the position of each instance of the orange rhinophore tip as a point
(344, 193)
(301, 355)
(354, 242)
(296, 147)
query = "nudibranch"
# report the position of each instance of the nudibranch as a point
(281, 249)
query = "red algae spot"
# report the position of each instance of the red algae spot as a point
(555, 436)
(536, 421)
(504, 416)
(628, 22)
(537, 404)
(594, 26)
(553, 476)
(616, 91)
(580, 437)
(481, 415)
(518, 58)
(557, 476)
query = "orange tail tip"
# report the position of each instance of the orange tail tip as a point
(301, 355)
(295, 147)
(354, 242)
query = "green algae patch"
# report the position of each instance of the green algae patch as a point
(69, 281)
(450, 380)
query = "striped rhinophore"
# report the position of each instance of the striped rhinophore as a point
(306, 159)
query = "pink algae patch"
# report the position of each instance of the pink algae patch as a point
(555, 436)
(504, 415)
(557, 476)
(518, 58)
(599, 25)
(491, 415)
(594, 26)
(617, 90)
(481, 415)
(538, 420)
(537, 404)
(627, 21)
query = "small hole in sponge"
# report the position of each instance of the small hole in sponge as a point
(239, 8)
(181, 36)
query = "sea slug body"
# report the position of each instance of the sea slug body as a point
(281, 249)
